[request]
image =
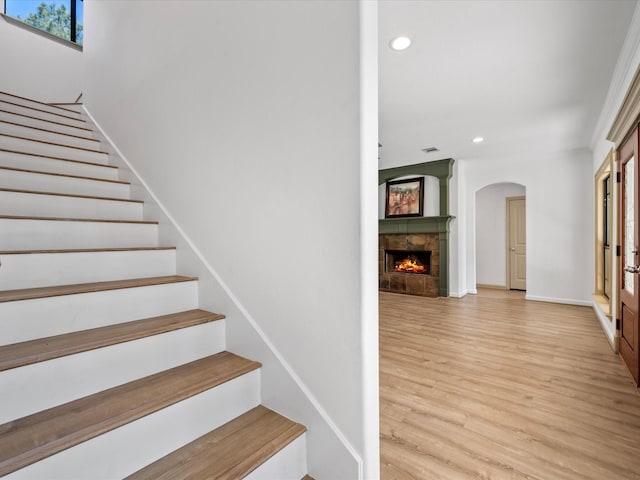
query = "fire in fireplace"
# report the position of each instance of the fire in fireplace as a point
(400, 261)
(410, 265)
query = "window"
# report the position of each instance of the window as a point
(61, 18)
(604, 234)
(606, 225)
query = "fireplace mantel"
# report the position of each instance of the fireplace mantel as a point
(439, 224)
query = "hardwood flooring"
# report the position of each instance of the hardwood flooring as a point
(491, 386)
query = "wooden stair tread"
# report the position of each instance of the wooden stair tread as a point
(230, 452)
(54, 143)
(60, 290)
(50, 131)
(73, 195)
(75, 119)
(41, 103)
(54, 174)
(42, 349)
(42, 155)
(45, 120)
(32, 438)
(63, 219)
(83, 250)
(65, 103)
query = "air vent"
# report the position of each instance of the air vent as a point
(430, 149)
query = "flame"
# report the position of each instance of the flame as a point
(408, 265)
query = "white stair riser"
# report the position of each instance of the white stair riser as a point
(44, 317)
(33, 270)
(290, 463)
(34, 204)
(45, 164)
(42, 106)
(41, 182)
(70, 119)
(151, 437)
(59, 126)
(74, 376)
(21, 234)
(62, 151)
(48, 136)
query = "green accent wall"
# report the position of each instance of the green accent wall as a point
(443, 170)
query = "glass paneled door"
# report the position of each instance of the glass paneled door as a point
(629, 225)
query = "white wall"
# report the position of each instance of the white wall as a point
(456, 261)
(245, 123)
(37, 67)
(491, 232)
(369, 237)
(559, 221)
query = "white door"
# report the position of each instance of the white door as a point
(630, 240)
(517, 243)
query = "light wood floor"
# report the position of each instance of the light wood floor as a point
(491, 386)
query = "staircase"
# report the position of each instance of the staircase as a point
(108, 368)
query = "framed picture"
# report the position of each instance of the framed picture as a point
(405, 198)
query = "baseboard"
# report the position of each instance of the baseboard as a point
(458, 294)
(606, 323)
(567, 301)
(491, 287)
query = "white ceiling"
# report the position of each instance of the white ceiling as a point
(527, 75)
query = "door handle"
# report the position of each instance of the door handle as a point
(513, 249)
(632, 269)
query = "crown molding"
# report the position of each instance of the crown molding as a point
(628, 114)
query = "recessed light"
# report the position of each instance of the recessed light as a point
(400, 43)
(478, 140)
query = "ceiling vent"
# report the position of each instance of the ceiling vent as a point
(430, 149)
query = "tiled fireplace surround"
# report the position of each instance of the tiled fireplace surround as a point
(411, 283)
(418, 234)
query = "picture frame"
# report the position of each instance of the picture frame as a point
(405, 198)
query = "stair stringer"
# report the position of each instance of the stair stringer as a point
(329, 452)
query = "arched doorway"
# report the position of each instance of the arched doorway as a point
(500, 232)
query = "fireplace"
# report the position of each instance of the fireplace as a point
(418, 235)
(407, 262)
(410, 263)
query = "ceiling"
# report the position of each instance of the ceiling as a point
(527, 75)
